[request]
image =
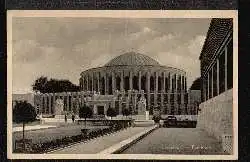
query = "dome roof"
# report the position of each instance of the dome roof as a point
(132, 58)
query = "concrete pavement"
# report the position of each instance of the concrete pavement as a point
(188, 141)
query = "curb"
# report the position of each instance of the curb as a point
(118, 148)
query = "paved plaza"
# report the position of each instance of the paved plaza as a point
(176, 141)
(99, 144)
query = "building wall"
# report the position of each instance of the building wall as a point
(216, 109)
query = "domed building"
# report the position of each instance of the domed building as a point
(123, 83)
(138, 73)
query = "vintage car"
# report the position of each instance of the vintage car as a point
(170, 121)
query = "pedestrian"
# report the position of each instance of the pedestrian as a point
(73, 118)
(65, 118)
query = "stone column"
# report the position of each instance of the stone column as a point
(156, 82)
(156, 89)
(175, 95)
(113, 83)
(208, 85)
(92, 86)
(164, 82)
(148, 90)
(54, 101)
(67, 108)
(169, 93)
(121, 83)
(87, 80)
(182, 97)
(212, 84)
(148, 82)
(139, 78)
(225, 69)
(72, 99)
(218, 79)
(50, 107)
(45, 103)
(105, 82)
(98, 82)
(130, 80)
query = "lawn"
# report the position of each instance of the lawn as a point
(49, 134)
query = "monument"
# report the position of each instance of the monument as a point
(142, 107)
(59, 109)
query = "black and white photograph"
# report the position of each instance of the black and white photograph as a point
(122, 85)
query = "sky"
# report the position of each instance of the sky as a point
(62, 48)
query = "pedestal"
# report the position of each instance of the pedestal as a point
(147, 115)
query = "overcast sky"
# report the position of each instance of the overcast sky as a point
(64, 47)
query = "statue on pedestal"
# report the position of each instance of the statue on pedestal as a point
(142, 106)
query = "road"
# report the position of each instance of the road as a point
(176, 141)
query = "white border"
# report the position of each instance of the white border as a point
(122, 14)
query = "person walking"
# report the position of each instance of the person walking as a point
(73, 118)
(65, 118)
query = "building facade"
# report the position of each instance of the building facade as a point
(121, 83)
(216, 60)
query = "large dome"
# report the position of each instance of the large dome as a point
(132, 58)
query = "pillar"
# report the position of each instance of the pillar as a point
(105, 82)
(218, 77)
(182, 97)
(121, 83)
(169, 93)
(148, 90)
(54, 102)
(130, 80)
(98, 82)
(139, 78)
(212, 82)
(67, 108)
(164, 82)
(225, 68)
(50, 107)
(208, 92)
(72, 99)
(175, 95)
(113, 82)
(156, 89)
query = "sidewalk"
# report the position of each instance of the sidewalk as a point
(101, 143)
(32, 127)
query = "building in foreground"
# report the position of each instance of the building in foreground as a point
(216, 59)
(121, 84)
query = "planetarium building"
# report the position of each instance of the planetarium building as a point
(122, 83)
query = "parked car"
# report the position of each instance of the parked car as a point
(170, 121)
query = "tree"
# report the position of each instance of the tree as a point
(85, 112)
(23, 112)
(125, 112)
(43, 85)
(196, 84)
(111, 112)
